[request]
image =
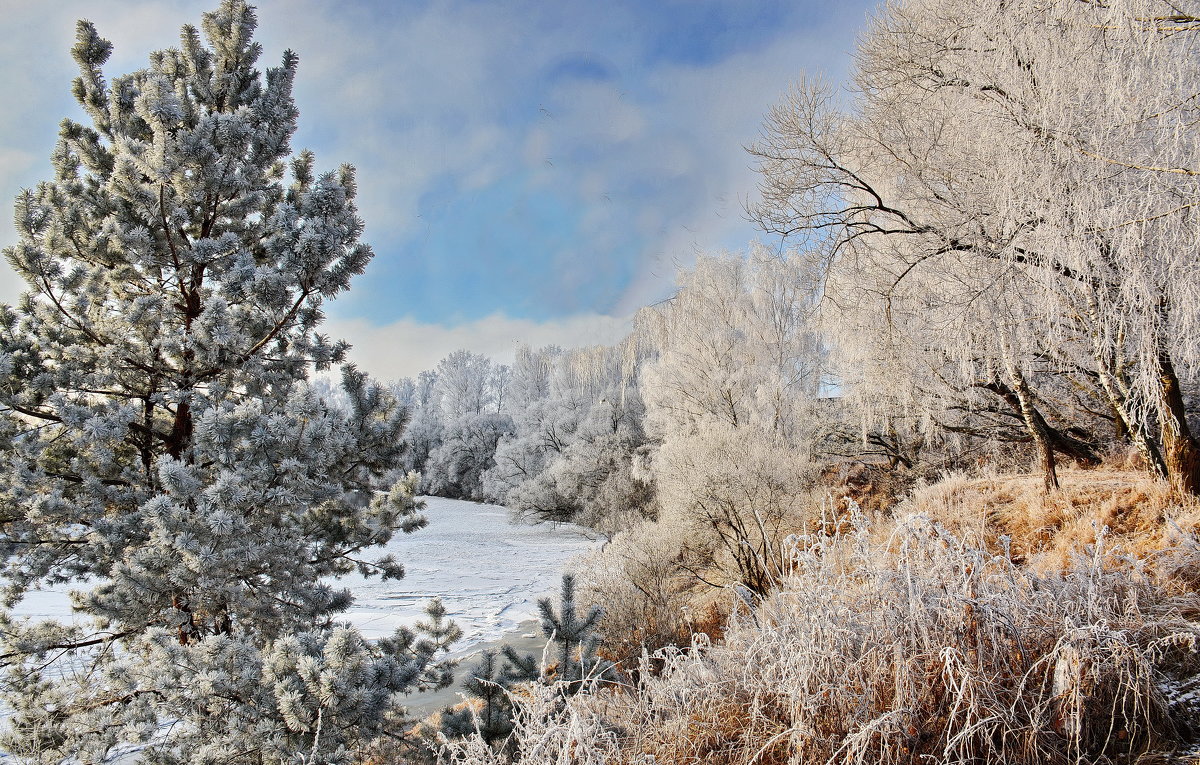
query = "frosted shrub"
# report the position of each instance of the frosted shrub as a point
(645, 594)
(736, 494)
(546, 732)
(916, 648)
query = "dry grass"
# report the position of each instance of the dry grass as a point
(873, 487)
(920, 648)
(1142, 515)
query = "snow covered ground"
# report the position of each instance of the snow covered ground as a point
(488, 571)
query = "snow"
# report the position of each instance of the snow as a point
(488, 571)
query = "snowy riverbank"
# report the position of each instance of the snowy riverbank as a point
(489, 573)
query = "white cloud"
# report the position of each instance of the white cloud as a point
(429, 100)
(405, 348)
(719, 108)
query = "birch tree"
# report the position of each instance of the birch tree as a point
(731, 398)
(458, 426)
(578, 427)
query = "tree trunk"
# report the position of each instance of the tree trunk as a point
(1036, 424)
(1181, 452)
(1120, 429)
(1129, 423)
(181, 430)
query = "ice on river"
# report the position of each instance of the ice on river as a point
(488, 571)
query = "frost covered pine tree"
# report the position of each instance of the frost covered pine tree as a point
(490, 680)
(159, 444)
(574, 634)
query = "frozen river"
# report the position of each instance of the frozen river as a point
(488, 571)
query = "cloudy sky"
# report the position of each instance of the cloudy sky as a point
(530, 170)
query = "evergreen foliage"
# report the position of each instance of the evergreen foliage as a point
(489, 680)
(575, 637)
(493, 677)
(430, 638)
(159, 444)
(520, 668)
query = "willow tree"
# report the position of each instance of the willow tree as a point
(1030, 168)
(160, 447)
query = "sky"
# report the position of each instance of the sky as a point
(530, 171)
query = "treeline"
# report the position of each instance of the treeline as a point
(603, 435)
(1003, 210)
(715, 430)
(553, 435)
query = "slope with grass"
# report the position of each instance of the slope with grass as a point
(976, 621)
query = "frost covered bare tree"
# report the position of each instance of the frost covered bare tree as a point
(735, 346)
(540, 431)
(458, 419)
(466, 451)
(424, 431)
(947, 365)
(732, 399)
(464, 384)
(160, 446)
(1024, 175)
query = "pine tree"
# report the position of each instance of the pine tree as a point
(492, 678)
(431, 638)
(574, 635)
(488, 680)
(159, 444)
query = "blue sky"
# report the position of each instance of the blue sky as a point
(530, 171)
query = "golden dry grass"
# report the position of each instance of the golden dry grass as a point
(970, 623)
(923, 648)
(1142, 514)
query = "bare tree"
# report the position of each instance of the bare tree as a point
(731, 399)
(1022, 174)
